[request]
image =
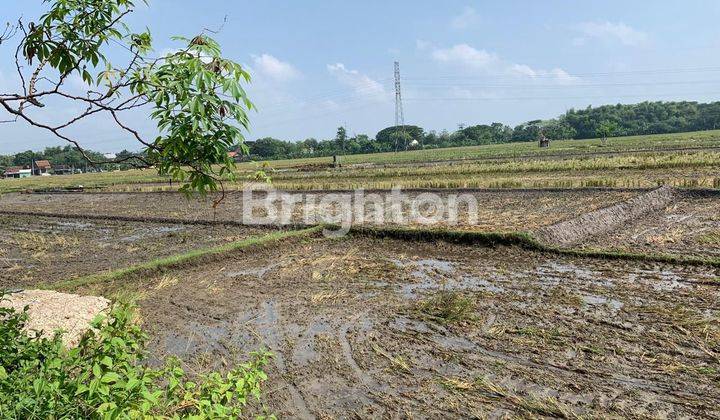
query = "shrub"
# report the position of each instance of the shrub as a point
(104, 376)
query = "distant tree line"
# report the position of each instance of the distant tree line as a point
(591, 122)
(603, 121)
(67, 156)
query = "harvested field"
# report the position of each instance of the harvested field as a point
(504, 210)
(385, 328)
(607, 219)
(43, 250)
(688, 226)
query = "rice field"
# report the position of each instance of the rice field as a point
(552, 298)
(567, 163)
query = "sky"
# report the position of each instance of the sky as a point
(317, 65)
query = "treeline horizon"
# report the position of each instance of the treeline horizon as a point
(643, 118)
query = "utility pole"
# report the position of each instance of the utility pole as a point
(399, 117)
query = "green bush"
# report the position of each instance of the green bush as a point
(104, 377)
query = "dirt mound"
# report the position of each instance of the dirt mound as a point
(607, 219)
(50, 311)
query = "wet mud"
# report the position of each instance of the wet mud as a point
(543, 336)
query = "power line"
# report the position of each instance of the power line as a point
(546, 98)
(556, 86)
(596, 74)
(358, 104)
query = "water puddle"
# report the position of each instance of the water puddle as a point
(661, 280)
(595, 300)
(304, 350)
(438, 274)
(73, 225)
(258, 272)
(195, 337)
(150, 232)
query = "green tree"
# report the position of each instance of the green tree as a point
(25, 158)
(606, 129)
(341, 139)
(387, 141)
(558, 130)
(5, 162)
(268, 147)
(196, 94)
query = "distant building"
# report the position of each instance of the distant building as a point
(40, 167)
(17, 172)
(236, 156)
(62, 170)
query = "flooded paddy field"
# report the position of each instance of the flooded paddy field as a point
(363, 328)
(45, 250)
(504, 210)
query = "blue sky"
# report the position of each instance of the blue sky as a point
(320, 64)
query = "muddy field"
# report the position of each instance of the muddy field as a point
(688, 226)
(369, 328)
(41, 250)
(496, 211)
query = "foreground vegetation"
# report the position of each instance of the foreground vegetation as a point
(105, 376)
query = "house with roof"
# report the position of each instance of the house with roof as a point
(17, 172)
(40, 167)
(62, 170)
(235, 155)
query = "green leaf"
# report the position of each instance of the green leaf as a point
(97, 371)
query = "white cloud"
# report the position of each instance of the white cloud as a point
(464, 55)
(362, 84)
(562, 76)
(467, 18)
(556, 74)
(523, 70)
(269, 66)
(610, 32)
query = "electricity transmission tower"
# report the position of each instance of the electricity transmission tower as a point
(399, 117)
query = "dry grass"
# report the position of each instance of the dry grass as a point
(695, 329)
(532, 404)
(398, 362)
(165, 282)
(41, 243)
(710, 238)
(330, 296)
(447, 307)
